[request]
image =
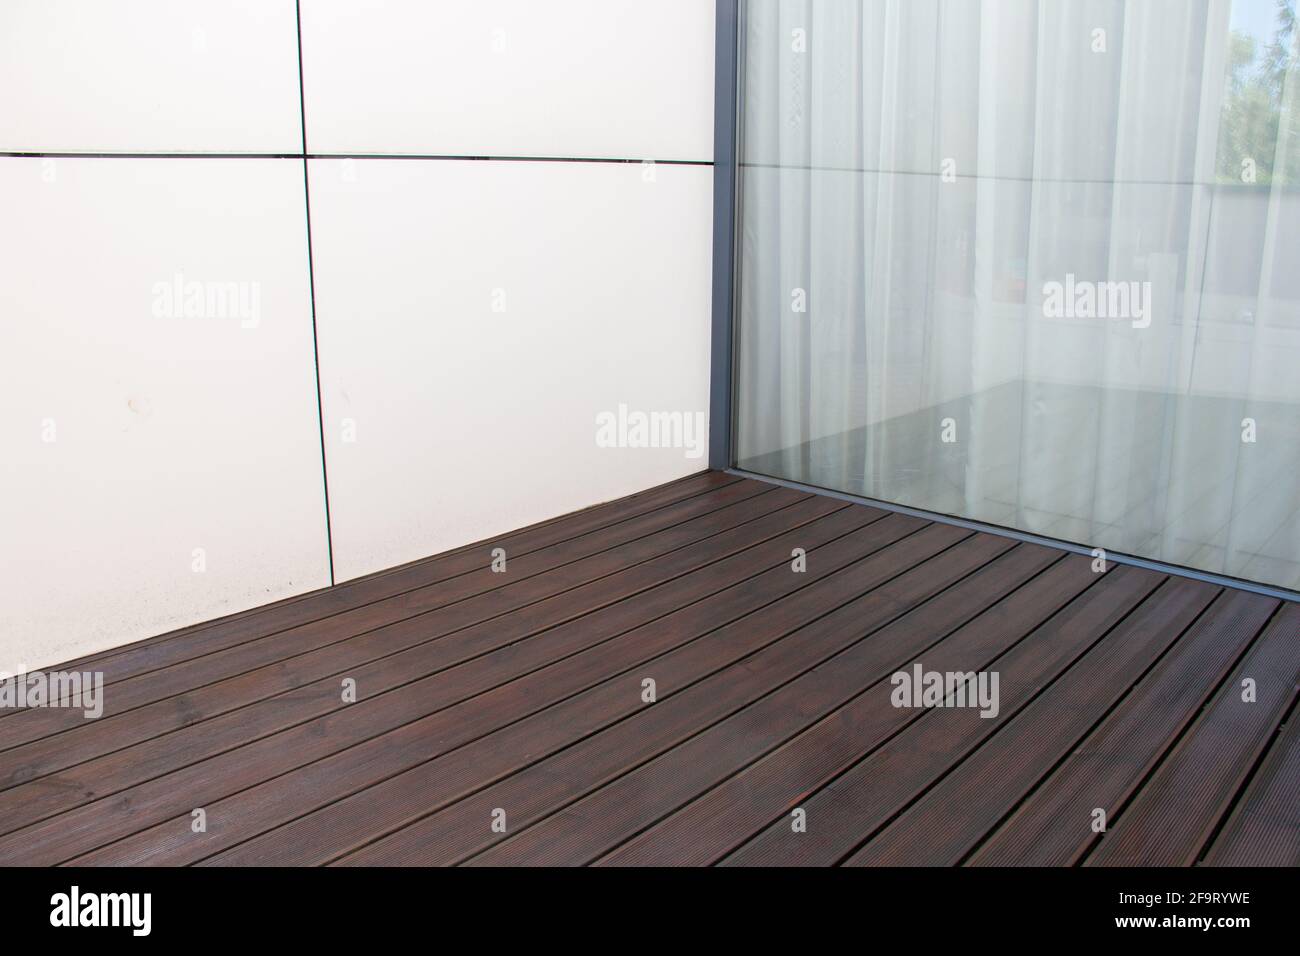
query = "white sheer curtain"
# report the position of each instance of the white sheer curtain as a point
(917, 172)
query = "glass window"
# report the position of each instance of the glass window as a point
(1032, 262)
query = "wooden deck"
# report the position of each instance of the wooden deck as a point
(519, 698)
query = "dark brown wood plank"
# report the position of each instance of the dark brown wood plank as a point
(543, 787)
(523, 691)
(198, 640)
(413, 708)
(1170, 821)
(1053, 827)
(428, 672)
(418, 573)
(809, 522)
(133, 689)
(313, 651)
(585, 830)
(763, 796)
(1264, 829)
(953, 816)
(476, 739)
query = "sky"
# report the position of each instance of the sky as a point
(1256, 17)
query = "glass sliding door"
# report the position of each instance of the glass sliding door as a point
(1031, 262)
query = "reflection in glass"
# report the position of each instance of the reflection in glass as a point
(1033, 262)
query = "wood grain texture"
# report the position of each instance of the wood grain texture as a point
(524, 692)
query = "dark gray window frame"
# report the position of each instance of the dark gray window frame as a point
(726, 105)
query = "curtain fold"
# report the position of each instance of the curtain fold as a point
(919, 175)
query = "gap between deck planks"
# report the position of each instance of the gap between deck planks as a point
(480, 691)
